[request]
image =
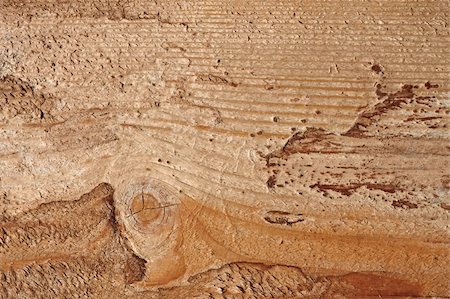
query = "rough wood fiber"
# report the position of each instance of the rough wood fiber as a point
(224, 149)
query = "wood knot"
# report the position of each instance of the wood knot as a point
(151, 213)
(152, 207)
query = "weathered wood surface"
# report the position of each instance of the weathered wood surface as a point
(224, 149)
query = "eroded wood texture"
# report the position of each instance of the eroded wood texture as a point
(202, 149)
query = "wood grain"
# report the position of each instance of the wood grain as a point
(210, 149)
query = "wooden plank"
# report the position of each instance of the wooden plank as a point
(202, 149)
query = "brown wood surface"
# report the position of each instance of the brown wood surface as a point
(224, 149)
